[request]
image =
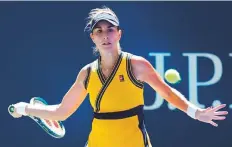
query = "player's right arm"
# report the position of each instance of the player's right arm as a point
(69, 104)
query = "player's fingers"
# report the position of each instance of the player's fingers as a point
(221, 113)
(208, 109)
(213, 124)
(12, 112)
(219, 107)
(16, 115)
(219, 117)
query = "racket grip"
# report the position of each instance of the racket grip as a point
(11, 109)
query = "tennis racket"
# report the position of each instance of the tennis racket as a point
(53, 128)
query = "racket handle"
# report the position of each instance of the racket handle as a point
(11, 109)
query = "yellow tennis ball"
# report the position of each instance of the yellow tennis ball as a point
(172, 76)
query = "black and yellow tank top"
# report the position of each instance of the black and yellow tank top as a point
(120, 91)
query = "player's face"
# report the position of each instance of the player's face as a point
(105, 36)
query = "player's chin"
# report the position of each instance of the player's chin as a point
(108, 46)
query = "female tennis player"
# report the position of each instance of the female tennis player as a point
(115, 84)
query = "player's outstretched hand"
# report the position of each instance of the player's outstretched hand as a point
(210, 114)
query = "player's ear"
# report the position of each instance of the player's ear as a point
(91, 36)
(119, 34)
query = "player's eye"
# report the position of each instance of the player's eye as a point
(99, 31)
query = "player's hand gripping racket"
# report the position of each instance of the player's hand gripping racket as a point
(54, 128)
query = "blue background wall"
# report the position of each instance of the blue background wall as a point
(43, 47)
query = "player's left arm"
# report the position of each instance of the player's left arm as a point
(145, 72)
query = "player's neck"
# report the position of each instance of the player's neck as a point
(109, 58)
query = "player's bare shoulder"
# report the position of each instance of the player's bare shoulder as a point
(83, 73)
(141, 67)
(139, 63)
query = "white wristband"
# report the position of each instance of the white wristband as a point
(20, 108)
(191, 111)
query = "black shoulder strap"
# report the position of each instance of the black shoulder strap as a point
(130, 72)
(86, 81)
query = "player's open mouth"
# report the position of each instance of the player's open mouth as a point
(106, 43)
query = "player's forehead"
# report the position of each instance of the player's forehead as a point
(103, 24)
